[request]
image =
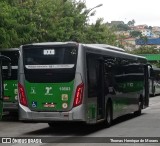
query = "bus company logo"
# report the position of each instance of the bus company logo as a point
(5, 87)
(6, 140)
(33, 90)
(48, 91)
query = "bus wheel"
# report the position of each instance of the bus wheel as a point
(140, 105)
(109, 117)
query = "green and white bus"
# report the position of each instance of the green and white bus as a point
(6, 60)
(73, 82)
(10, 102)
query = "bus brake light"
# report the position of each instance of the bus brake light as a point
(78, 95)
(22, 96)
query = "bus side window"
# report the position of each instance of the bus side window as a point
(110, 82)
(151, 73)
(91, 75)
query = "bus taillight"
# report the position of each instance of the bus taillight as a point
(22, 96)
(78, 95)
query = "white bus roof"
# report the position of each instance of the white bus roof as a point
(108, 47)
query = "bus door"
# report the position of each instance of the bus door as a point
(3, 58)
(146, 84)
(100, 89)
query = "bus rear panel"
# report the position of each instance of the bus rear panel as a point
(49, 86)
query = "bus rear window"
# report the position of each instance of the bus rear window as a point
(49, 63)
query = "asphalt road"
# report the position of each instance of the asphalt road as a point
(146, 125)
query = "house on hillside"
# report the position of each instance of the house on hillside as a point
(148, 42)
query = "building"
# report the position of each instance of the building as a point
(147, 33)
(148, 41)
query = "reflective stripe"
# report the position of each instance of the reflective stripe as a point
(13, 67)
(49, 66)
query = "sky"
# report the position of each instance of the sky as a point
(142, 11)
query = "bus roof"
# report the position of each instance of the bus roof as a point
(65, 43)
(136, 57)
(51, 43)
(108, 47)
(96, 46)
(9, 49)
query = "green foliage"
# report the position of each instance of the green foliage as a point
(145, 50)
(100, 33)
(29, 21)
(144, 39)
(131, 23)
(135, 33)
(123, 27)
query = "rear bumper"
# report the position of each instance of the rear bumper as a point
(10, 106)
(76, 114)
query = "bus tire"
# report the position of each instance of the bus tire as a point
(140, 106)
(109, 114)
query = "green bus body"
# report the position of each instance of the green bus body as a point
(41, 101)
(66, 81)
(10, 102)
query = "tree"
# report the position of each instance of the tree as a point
(38, 20)
(144, 40)
(100, 33)
(146, 27)
(131, 23)
(28, 21)
(145, 50)
(135, 34)
(150, 27)
(122, 27)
